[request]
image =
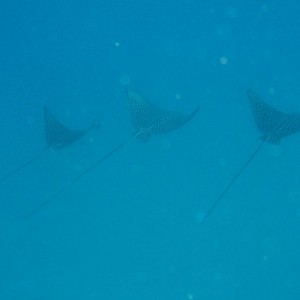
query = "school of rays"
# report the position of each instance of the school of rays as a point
(148, 120)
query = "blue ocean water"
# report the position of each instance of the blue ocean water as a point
(131, 229)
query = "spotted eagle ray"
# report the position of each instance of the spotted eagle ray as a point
(147, 120)
(57, 135)
(273, 124)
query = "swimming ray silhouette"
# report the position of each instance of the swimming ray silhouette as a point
(147, 120)
(57, 136)
(273, 124)
(150, 120)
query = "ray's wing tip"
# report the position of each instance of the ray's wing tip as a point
(194, 112)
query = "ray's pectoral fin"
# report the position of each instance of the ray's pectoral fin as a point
(193, 114)
(149, 119)
(266, 117)
(59, 136)
(272, 123)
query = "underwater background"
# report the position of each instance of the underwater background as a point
(131, 228)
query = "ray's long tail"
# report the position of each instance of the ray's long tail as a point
(23, 166)
(81, 175)
(233, 180)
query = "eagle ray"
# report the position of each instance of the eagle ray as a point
(57, 136)
(273, 124)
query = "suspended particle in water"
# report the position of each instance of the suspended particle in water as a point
(178, 96)
(265, 257)
(190, 296)
(223, 60)
(125, 79)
